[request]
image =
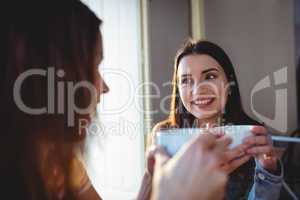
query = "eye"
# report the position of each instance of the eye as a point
(210, 76)
(186, 81)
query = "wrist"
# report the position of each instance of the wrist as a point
(275, 169)
(269, 163)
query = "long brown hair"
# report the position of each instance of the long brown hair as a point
(242, 178)
(40, 35)
(233, 114)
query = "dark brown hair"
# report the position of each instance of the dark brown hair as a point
(40, 35)
(180, 118)
(233, 114)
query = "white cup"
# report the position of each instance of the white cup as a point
(173, 139)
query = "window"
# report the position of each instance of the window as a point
(115, 158)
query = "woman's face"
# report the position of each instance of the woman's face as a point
(202, 86)
(100, 84)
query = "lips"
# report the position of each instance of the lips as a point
(203, 102)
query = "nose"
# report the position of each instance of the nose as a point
(201, 87)
(101, 86)
(196, 88)
(104, 87)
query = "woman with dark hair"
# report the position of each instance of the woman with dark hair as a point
(179, 116)
(47, 44)
(206, 94)
(49, 85)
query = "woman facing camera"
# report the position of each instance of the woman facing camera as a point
(49, 84)
(206, 94)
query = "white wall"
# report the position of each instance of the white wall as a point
(169, 24)
(259, 37)
(297, 34)
(297, 31)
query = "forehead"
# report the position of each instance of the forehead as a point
(99, 45)
(99, 49)
(197, 63)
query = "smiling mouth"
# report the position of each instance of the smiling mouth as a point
(203, 102)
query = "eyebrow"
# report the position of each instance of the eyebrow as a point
(203, 72)
(209, 70)
(186, 75)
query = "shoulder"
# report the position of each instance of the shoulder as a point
(166, 124)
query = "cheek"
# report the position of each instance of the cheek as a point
(185, 94)
(223, 102)
(222, 93)
(219, 88)
(97, 81)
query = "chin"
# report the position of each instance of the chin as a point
(208, 115)
(205, 114)
(205, 117)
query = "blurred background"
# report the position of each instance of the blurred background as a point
(141, 38)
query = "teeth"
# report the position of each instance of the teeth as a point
(202, 102)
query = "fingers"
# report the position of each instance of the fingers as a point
(266, 149)
(259, 130)
(234, 164)
(217, 132)
(222, 143)
(219, 135)
(205, 141)
(234, 153)
(156, 155)
(256, 140)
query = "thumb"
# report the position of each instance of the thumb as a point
(161, 157)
